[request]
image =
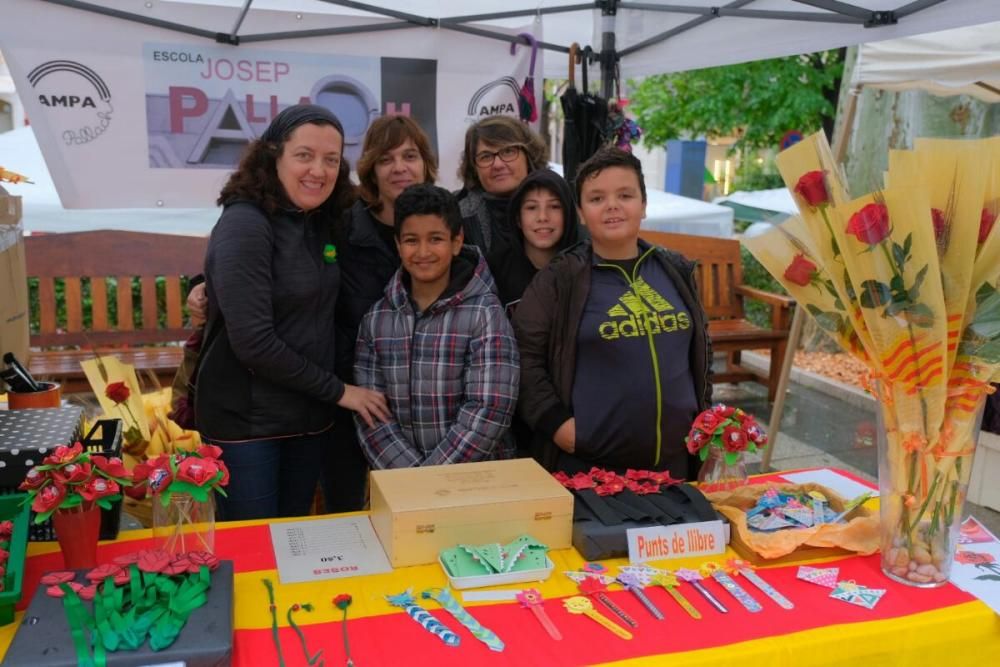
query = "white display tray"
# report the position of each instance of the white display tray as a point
(482, 580)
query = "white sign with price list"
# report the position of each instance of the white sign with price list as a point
(327, 549)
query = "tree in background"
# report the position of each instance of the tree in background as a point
(756, 102)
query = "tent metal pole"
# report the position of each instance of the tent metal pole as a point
(489, 34)
(609, 57)
(383, 11)
(139, 18)
(839, 7)
(240, 18)
(520, 12)
(684, 27)
(721, 12)
(326, 32)
(914, 7)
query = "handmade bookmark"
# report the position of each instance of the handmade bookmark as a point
(740, 566)
(426, 620)
(581, 605)
(594, 588)
(693, 578)
(715, 571)
(632, 584)
(852, 505)
(532, 599)
(818, 507)
(670, 584)
(448, 602)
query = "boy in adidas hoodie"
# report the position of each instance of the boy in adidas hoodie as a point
(438, 345)
(615, 355)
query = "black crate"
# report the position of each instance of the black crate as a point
(105, 437)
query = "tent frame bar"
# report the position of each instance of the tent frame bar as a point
(325, 32)
(722, 12)
(138, 18)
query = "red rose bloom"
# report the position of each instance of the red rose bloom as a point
(118, 392)
(937, 218)
(48, 498)
(209, 452)
(812, 188)
(800, 271)
(160, 479)
(63, 454)
(112, 467)
(72, 473)
(199, 472)
(224, 480)
(696, 440)
(723, 410)
(33, 480)
(986, 220)
(708, 421)
(99, 488)
(734, 439)
(871, 224)
(342, 601)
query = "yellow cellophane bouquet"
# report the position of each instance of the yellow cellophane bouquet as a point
(906, 280)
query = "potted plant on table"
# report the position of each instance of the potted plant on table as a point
(182, 485)
(72, 486)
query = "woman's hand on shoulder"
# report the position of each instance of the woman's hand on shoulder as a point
(370, 405)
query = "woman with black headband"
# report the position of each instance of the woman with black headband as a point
(266, 386)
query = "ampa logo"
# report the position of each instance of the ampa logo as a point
(78, 97)
(496, 98)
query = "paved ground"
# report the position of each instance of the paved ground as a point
(823, 430)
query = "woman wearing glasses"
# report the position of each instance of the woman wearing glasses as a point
(500, 152)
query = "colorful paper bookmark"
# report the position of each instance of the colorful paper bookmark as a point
(426, 619)
(532, 599)
(848, 591)
(693, 578)
(593, 588)
(581, 605)
(448, 602)
(742, 567)
(632, 584)
(715, 571)
(821, 576)
(670, 584)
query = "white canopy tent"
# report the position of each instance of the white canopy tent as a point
(640, 38)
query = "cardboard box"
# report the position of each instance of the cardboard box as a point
(417, 512)
(13, 280)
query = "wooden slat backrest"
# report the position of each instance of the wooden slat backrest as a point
(96, 256)
(719, 271)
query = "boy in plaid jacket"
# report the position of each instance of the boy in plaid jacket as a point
(438, 345)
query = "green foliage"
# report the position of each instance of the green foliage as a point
(755, 275)
(757, 101)
(757, 176)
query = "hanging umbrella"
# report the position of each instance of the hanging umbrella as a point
(593, 115)
(570, 101)
(527, 107)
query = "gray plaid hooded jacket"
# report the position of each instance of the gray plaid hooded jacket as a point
(450, 373)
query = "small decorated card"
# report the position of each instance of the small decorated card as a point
(821, 576)
(848, 591)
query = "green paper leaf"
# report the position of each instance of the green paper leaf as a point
(70, 501)
(703, 453)
(732, 458)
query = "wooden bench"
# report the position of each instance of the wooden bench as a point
(720, 284)
(145, 330)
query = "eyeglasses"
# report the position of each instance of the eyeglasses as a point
(507, 154)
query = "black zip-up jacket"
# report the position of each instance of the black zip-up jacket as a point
(267, 368)
(546, 323)
(366, 266)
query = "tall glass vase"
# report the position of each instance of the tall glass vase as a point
(922, 488)
(718, 474)
(184, 524)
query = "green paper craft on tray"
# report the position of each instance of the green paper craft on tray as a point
(523, 559)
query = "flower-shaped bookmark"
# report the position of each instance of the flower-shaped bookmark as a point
(739, 566)
(532, 599)
(581, 605)
(448, 602)
(693, 578)
(633, 584)
(669, 583)
(596, 589)
(716, 572)
(426, 620)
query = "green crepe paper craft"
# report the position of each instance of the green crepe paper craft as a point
(153, 604)
(524, 553)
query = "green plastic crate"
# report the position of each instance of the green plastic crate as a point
(11, 508)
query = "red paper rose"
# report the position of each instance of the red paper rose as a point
(56, 578)
(723, 410)
(734, 439)
(209, 451)
(112, 467)
(986, 221)
(342, 601)
(871, 224)
(937, 218)
(33, 480)
(6, 529)
(63, 454)
(99, 488)
(102, 572)
(72, 473)
(159, 479)
(118, 392)
(708, 421)
(154, 560)
(199, 558)
(48, 498)
(800, 271)
(812, 188)
(696, 440)
(224, 480)
(197, 471)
